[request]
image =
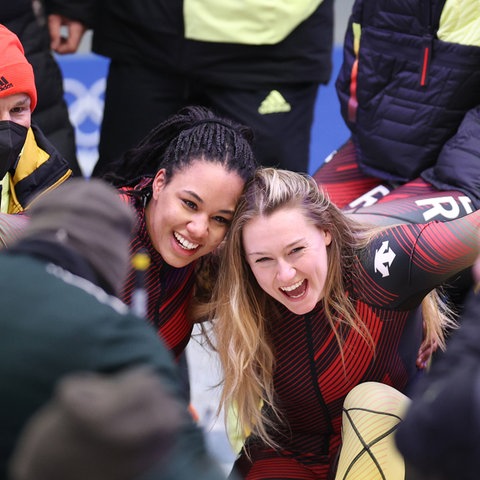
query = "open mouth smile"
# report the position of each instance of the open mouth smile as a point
(296, 290)
(184, 243)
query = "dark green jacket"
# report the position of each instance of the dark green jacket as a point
(54, 323)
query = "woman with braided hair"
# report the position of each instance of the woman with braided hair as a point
(309, 304)
(183, 180)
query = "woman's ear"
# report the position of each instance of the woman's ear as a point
(328, 237)
(158, 183)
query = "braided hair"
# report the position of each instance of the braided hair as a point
(194, 133)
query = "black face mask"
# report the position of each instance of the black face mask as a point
(12, 139)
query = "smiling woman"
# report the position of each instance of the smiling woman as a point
(308, 305)
(184, 180)
(289, 264)
(188, 217)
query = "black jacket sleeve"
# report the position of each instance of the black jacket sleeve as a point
(457, 164)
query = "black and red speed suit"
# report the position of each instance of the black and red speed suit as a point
(168, 289)
(391, 276)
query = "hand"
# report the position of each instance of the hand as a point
(75, 31)
(427, 349)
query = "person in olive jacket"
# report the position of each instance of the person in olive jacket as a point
(61, 315)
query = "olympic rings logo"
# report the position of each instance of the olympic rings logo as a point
(85, 110)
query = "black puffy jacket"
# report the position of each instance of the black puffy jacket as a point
(404, 92)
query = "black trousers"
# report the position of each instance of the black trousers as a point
(137, 98)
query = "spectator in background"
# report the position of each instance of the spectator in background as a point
(258, 63)
(61, 316)
(29, 164)
(409, 91)
(27, 19)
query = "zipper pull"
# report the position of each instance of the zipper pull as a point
(427, 45)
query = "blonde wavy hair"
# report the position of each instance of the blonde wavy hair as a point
(239, 308)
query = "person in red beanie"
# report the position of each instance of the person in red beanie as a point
(29, 164)
(29, 21)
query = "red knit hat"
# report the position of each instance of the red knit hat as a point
(16, 74)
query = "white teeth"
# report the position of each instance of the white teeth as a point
(184, 242)
(291, 287)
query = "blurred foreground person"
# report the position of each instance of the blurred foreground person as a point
(439, 436)
(99, 427)
(61, 315)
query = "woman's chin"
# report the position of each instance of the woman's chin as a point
(299, 306)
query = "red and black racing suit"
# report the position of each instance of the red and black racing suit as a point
(391, 277)
(169, 289)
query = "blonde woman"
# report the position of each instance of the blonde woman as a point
(309, 304)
